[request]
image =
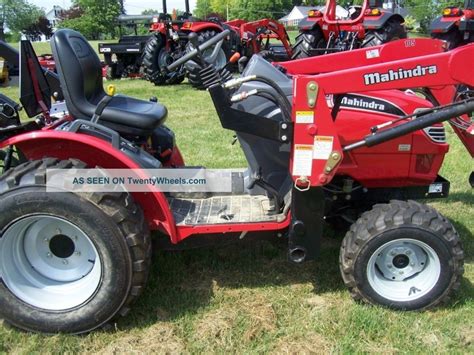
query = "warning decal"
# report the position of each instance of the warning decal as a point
(322, 147)
(304, 117)
(303, 160)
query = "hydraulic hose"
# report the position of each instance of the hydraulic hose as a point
(424, 121)
(276, 99)
(284, 100)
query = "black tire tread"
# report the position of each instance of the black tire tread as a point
(390, 216)
(151, 70)
(119, 206)
(392, 30)
(304, 42)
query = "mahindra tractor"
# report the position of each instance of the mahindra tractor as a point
(456, 25)
(353, 143)
(327, 30)
(149, 55)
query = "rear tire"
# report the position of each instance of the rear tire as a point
(391, 31)
(307, 41)
(402, 255)
(194, 76)
(69, 262)
(453, 38)
(155, 57)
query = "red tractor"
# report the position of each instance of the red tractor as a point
(456, 25)
(353, 142)
(326, 31)
(169, 41)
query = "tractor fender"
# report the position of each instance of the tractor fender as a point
(443, 24)
(307, 24)
(202, 26)
(95, 152)
(376, 23)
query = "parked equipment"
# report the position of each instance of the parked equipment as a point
(148, 56)
(352, 142)
(456, 25)
(322, 32)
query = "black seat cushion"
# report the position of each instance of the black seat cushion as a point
(80, 74)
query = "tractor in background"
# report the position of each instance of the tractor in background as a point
(148, 55)
(326, 31)
(455, 25)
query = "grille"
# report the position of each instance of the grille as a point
(437, 134)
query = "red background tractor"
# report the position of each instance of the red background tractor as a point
(456, 25)
(323, 32)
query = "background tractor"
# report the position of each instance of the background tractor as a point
(149, 55)
(324, 31)
(455, 25)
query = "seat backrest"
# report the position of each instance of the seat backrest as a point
(79, 71)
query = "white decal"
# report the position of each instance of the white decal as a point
(322, 147)
(304, 117)
(303, 160)
(372, 53)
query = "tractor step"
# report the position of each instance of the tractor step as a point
(222, 210)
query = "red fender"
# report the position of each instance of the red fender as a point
(201, 26)
(95, 152)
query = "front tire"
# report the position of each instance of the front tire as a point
(391, 31)
(155, 57)
(69, 262)
(453, 38)
(403, 255)
(306, 41)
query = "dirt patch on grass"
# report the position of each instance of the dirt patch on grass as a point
(261, 316)
(312, 344)
(467, 336)
(252, 316)
(159, 338)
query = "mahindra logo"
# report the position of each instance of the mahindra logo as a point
(400, 74)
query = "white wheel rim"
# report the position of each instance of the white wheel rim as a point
(49, 263)
(221, 59)
(403, 270)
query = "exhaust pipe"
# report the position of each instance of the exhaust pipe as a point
(186, 4)
(165, 8)
(421, 122)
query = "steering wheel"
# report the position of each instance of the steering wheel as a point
(198, 50)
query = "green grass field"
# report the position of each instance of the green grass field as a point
(246, 297)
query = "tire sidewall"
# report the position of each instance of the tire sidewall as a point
(109, 243)
(437, 243)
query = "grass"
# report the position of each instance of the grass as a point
(246, 297)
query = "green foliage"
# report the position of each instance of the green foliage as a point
(17, 15)
(245, 9)
(98, 18)
(424, 12)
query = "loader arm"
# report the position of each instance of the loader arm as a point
(315, 129)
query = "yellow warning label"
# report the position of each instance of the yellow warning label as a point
(304, 117)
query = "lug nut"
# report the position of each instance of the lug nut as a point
(408, 252)
(389, 266)
(46, 240)
(392, 253)
(49, 255)
(77, 253)
(65, 262)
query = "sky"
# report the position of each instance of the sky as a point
(132, 7)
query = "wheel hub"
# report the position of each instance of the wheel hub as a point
(401, 261)
(403, 269)
(49, 262)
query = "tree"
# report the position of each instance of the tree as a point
(17, 15)
(41, 27)
(254, 10)
(98, 18)
(203, 8)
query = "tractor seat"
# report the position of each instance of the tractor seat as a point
(80, 74)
